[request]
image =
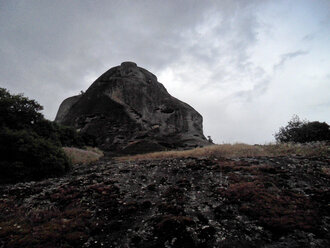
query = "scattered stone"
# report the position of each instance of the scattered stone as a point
(244, 202)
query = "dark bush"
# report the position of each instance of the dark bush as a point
(314, 131)
(17, 111)
(298, 131)
(61, 135)
(48, 130)
(30, 145)
(28, 156)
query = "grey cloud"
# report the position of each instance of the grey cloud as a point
(48, 47)
(309, 37)
(223, 46)
(262, 80)
(69, 38)
(53, 49)
(257, 90)
(287, 56)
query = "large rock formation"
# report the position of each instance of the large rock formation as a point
(127, 110)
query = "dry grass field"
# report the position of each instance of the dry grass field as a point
(83, 156)
(237, 150)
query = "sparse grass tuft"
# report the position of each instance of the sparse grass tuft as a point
(80, 156)
(237, 150)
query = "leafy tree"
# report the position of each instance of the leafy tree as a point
(30, 145)
(299, 131)
(314, 131)
(61, 135)
(17, 111)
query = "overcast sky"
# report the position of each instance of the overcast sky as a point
(247, 66)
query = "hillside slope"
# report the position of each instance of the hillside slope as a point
(188, 202)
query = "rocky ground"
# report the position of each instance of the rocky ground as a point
(205, 202)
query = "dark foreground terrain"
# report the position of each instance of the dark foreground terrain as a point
(247, 202)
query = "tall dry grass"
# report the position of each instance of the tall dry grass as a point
(236, 150)
(83, 156)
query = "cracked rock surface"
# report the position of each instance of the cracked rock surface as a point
(128, 111)
(190, 202)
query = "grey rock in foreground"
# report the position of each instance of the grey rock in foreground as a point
(181, 203)
(128, 110)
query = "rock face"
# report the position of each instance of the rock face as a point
(269, 202)
(127, 110)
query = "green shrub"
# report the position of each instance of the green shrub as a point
(298, 131)
(30, 145)
(61, 135)
(28, 156)
(314, 131)
(17, 111)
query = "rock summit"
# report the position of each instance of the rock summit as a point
(128, 111)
